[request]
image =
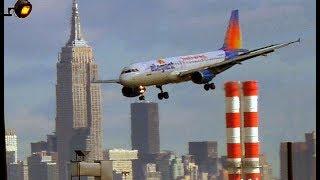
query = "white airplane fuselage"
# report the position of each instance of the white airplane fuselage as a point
(165, 70)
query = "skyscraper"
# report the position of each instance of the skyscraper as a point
(163, 162)
(176, 168)
(52, 142)
(38, 146)
(41, 167)
(145, 127)
(302, 158)
(144, 134)
(11, 146)
(18, 171)
(78, 103)
(206, 155)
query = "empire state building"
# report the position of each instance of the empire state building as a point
(78, 102)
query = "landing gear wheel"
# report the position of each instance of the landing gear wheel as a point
(141, 98)
(212, 86)
(160, 96)
(206, 87)
(166, 95)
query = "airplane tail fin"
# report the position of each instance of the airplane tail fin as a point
(233, 37)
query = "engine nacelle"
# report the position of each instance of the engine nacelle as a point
(202, 77)
(130, 92)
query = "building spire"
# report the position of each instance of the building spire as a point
(76, 38)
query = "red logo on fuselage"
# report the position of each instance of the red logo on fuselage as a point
(161, 61)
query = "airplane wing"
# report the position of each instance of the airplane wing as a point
(106, 81)
(224, 65)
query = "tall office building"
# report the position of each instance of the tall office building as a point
(176, 168)
(303, 154)
(41, 167)
(78, 101)
(38, 146)
(49, 146)
(190, 167)
(18, 171)
(144, 134)
(163, 162)
(206, 155)
(145, 127)
(11, 146)
(52, 142)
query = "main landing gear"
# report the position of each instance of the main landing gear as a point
(209, 86)
(162, 94)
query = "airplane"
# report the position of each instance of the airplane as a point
(199, 68)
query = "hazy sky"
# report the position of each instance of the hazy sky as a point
(122, 32)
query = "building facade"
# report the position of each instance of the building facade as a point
(206, 155)
(11, 146)
(145, 127)
(163, 162)
(176, 168)
(52, 142)
(18, 171)
(78, 101)
(303, 154)
(122, 162)
(145, 135)
(49, 146)
(41, 167)
(151, 173)
(38, 146)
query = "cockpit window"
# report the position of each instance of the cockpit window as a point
(129, 70)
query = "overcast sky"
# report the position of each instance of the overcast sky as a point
(122, 32)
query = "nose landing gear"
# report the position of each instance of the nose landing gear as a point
(162, 94)
(142, 90)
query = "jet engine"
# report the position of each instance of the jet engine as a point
(202, 77)
(130, 92)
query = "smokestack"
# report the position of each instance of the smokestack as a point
(251, 139)
(233, 124)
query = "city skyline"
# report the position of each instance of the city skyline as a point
(281, 103)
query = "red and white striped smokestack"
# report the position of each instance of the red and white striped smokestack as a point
(233, 124)
(251, 122)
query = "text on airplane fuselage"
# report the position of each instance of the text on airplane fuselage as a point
(162, 66)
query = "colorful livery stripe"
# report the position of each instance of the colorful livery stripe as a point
(233, 39)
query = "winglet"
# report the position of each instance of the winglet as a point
(299, 40)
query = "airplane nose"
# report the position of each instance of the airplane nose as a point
(124, 80)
